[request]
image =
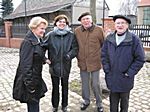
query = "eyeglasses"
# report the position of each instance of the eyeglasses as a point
(121, 23)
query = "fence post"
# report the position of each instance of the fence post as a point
(8, 32)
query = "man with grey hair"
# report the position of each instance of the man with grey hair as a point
(90, 38)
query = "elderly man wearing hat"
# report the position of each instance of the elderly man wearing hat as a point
(122, 58)
(90, 38)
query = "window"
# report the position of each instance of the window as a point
(146, 17)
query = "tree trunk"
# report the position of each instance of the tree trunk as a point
(93, 9)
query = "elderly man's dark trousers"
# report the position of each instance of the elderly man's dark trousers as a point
(119, 98)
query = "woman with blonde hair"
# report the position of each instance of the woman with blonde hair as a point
(29, 86)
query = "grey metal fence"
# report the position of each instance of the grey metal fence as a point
(19, 31)
(143, 31)
(2, 31)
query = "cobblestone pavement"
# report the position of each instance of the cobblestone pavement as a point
(139, 98)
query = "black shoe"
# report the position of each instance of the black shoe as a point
(100, 109)
(84, 106)
(55, 109)
(64, 109)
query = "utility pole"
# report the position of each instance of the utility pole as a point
(103, 12)
(1, 9)
(25, 13)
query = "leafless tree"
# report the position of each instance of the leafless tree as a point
(128, 7)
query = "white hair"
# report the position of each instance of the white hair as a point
(36, 21)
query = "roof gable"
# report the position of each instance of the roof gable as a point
(35, 7)
(39, 7)
(40, 4)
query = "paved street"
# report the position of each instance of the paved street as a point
(139, 99)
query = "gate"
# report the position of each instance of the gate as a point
(143, 31)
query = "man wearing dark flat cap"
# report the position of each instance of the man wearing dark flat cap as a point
(122, 58)
(122, 17)
(90, 38)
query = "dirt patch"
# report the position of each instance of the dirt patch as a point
(75, 86)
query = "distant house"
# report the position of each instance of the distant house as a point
(16, 22)
(51, 8)
(144, 12)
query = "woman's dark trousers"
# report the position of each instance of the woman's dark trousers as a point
(55, 91)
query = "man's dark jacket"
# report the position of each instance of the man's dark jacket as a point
(126, 58)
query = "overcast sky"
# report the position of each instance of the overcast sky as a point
(114, 6)
(16, 3)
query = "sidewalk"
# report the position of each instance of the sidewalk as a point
(139, 99)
